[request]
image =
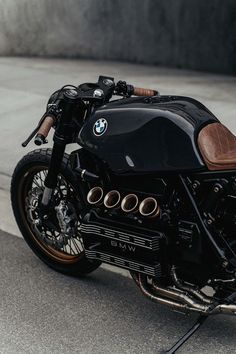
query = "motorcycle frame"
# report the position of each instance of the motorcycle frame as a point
(66, 132)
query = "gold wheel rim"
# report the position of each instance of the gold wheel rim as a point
(49, 251)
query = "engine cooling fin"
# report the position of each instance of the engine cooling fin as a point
(133, 248)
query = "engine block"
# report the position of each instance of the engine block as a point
(133, 248)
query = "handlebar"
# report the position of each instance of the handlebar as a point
(138, 91)
(44, 130)
(49, 120)
(96, 94)
(127, 90)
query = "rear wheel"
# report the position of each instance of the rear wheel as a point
(54, 238)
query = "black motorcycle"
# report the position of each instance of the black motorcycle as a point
(152, 190)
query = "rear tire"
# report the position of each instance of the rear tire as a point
(25, 197)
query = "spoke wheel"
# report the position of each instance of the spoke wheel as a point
(60, 242)
(54, 237)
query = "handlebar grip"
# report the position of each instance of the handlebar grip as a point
(44, 130)
(138, 91)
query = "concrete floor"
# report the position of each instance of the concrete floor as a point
(45, 312)
(42, 311)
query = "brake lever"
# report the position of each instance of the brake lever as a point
(52, 110)
(30, 137)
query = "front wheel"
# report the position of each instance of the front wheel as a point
(54, 238)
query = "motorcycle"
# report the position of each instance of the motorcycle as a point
(151, 189)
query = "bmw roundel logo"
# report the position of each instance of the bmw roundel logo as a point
(100, 126)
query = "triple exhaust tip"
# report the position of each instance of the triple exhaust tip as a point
(95, 196)
(112, 199)
(149, 208)
(129, 204)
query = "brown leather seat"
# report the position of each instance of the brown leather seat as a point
(218, 147)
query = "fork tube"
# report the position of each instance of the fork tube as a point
(55, 164)
(53, 171)
(63, 135)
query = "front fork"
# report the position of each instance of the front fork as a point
(64, 134)
(53, 171)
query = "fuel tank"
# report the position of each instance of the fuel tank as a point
(147, 135)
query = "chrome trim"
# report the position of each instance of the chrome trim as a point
(182, 297)
(129, 203)
(124, 263)
(95, 196)
(120, 236)
(112, 199)
(149, 208)
(224, 309)
(172, 298)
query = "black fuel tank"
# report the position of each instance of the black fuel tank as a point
(140, 135)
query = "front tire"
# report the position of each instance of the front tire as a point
(60, 249)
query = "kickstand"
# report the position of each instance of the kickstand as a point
(201, 319)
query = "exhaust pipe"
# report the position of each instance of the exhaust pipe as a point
(174, 304)
(181, 301)
(149, 208)
(181, 297)
(187, 288)
(129, 203)
(95, 196)
(112, 199)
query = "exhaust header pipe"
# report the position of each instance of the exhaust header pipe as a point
(112, 199)
(129, 203)
(95, 196)
(149, 208)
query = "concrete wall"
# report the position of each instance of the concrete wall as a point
(196, 34)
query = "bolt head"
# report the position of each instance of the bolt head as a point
(224, 264)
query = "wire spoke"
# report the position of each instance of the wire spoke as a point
(50, 232)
